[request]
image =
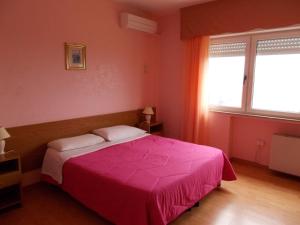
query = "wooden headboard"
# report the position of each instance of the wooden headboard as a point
(31, 140)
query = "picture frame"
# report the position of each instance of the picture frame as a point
(75, 56)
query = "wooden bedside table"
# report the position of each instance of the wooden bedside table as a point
(155, 128)
(10, 180)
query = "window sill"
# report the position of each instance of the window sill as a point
(252, 115)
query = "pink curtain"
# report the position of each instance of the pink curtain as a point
(195, 122)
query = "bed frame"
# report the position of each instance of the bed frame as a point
(31, 140)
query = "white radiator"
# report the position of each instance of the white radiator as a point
(285, 154)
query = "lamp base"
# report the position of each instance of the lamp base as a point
(148, 118)
(2, 145)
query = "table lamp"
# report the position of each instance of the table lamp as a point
(3, 135)
(148, 111)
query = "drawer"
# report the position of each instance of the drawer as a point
(9, 179)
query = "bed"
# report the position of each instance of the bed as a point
(144, 180)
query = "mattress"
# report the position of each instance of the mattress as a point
(147, 181)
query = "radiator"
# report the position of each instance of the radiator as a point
(285, 154)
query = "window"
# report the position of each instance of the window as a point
(277, 75)
(226, 74)
(256, 74)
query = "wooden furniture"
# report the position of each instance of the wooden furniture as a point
(33, 139)
(10, 180)
(155, 128)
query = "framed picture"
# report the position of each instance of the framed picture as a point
(75, 56)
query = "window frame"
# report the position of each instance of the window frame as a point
(250, 59)
(255, 39)
(228, 40)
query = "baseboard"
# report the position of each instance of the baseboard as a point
(247, 162)
(31, 177)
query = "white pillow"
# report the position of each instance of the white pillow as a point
(120, 132)
(70, 143)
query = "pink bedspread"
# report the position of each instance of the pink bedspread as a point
(151, 180)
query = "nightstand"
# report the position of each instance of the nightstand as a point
(155, 128)
(10, 180)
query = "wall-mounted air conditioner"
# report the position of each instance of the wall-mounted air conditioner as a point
(138, 23)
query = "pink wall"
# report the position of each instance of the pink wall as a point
(220, 131)
(247, 131)
(171, 76)
(237, 136)
(35, 87)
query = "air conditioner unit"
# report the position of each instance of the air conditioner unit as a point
(138, 23)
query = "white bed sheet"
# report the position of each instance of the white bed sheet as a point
(54, 160)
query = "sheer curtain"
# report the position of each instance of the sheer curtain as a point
(195, 128)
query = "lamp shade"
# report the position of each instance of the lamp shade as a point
(148, 110)
(3, 133)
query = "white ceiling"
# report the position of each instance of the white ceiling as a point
(162, 6)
